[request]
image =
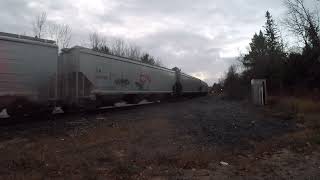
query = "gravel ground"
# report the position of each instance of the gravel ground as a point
(189, 139)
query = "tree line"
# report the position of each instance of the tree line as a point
(119, 47)
(286, 71)
(62, 34)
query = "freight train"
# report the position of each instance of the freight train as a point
(34, 75)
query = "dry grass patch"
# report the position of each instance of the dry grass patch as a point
(296, 105)
(301, 109)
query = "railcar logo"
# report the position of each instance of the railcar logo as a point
(144, 79)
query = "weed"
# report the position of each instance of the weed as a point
(316, 138)
(125, 170)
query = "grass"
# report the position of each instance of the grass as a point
(299, 105)
(295, 107)
(125, 170)
(316, 139)
(303, 110)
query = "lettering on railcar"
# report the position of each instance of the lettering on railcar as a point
(122, 82)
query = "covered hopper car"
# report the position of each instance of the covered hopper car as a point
(28, 73)
(32, 72)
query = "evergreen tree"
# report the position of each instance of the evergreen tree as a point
(266, 56)
(276, 54)
(146, 58)
(271, 33)
(274, 45)
(258, 49)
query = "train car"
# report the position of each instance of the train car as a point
(192, 86)
(187, 85)
(87, 76)
(204, 88)
(28, 72)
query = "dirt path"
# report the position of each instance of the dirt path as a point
(180, 140)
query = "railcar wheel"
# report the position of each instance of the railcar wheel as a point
(18, 108)
(66, 108)
(132, 99)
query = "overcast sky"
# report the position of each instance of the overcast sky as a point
(202, 37)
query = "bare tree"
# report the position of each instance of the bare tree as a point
(303, 22)
(61, 33)
(65, 36)
(158, 62)
(39, 24)
(97, 41)
(119, 47)
(133, 52)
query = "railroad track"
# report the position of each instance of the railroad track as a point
(43, 117)
(36, 117)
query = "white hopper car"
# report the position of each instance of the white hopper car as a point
(32, 73)
(28, 72)
(90, 77)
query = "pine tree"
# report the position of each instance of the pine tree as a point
(258, 49)
(271, 33)
(266, 56)
(146, 58)
(276, 54)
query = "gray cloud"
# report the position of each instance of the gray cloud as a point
(201, 37)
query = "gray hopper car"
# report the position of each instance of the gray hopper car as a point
(28, 72)
(89, 77)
